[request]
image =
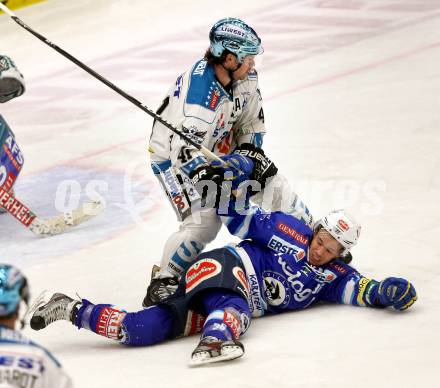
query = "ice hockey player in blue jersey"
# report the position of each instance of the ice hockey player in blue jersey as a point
(11, 158)
(23, 363)
(282, 264)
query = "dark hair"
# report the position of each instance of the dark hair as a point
(347, 258)
(212, 60)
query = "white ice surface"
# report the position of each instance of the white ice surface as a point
(351, 91)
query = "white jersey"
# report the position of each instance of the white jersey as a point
(210, 115)
(25, 364)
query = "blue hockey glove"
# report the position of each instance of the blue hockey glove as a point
(396, 292)
(239, 170)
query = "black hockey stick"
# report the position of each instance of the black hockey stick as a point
(99, 77)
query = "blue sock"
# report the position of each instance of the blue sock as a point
(102, 319)
(228, 314)
(141, 328)
(216, 327)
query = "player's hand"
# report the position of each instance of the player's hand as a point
(206, 173)
(396, 292)
(264, 168)
(238, 169)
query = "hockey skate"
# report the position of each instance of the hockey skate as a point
(59, 307)
(160, 288)
(211, 349)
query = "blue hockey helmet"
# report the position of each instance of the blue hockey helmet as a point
(236, 36)
(13, 289)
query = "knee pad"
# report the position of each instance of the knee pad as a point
(216, 269)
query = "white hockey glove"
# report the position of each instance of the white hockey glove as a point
(11, 80)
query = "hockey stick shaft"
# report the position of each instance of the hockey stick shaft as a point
(112, 86)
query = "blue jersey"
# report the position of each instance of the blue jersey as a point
(275, 255)
(11, 158)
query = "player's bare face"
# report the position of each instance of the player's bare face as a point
(323, 248)
(247, 66)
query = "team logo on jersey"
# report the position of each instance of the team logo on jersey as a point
(282, 246)
(194, 134)
(276, 289)
(203, 270)
(328, 276)
(307, 282)
(215, 95)
(321, 275)
(293, 233)
(241, 277)
(337, 267)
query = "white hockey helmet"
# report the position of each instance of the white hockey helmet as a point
(342, 227)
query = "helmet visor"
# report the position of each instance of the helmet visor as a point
(253, 61)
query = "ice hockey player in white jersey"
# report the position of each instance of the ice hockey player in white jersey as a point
(218, 104)
(23, 363)
(11, 158)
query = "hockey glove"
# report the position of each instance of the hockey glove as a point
(396, 292)
(207, 181)
(205, 173)
(264, 168)
(11, 80)
(159, 290)
(239, 169)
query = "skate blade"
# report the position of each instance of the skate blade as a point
(228, 353)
